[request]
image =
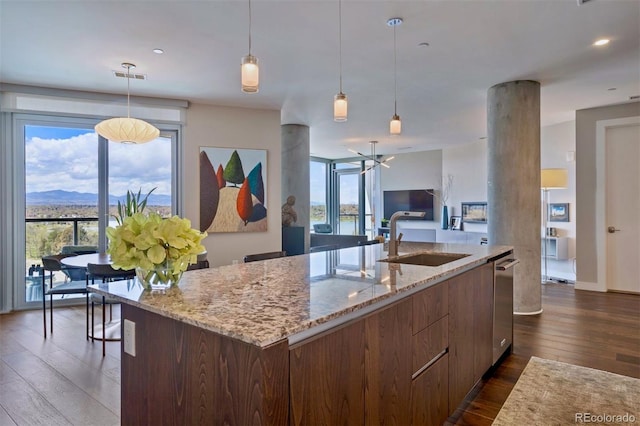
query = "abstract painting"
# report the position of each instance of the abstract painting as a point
(233, 190)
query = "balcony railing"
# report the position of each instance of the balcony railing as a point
(74, 220)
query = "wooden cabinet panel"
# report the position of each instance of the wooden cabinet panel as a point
(429, 306)
(327, 378)
(388, 366)
(182, 374)
(429, 395)
(461, 340)
(428, 343)
(470, 330)
(483, 321)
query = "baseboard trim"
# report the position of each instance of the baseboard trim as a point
(589, 286)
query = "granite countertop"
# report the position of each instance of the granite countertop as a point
(265, 302)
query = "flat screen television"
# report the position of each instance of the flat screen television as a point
(416, 200)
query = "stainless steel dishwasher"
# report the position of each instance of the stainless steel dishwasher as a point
(503, 304)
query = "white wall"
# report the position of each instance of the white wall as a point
(468, 165)
(415, 170)
(236, 128)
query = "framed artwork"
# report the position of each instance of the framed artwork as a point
(233, 186)
(475, 212)
(456, 223)
(558, 212)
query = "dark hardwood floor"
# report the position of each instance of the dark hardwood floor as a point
(65, 380)
(596, 330)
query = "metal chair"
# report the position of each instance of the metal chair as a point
(51, 264)
(107, 273)
(326, 247)
(322, 228)
(264, 256)
(202, 262)
(369, 242)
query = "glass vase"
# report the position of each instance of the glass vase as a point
(161, 277)
(445, 218)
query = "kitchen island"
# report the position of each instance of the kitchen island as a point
(325, 338)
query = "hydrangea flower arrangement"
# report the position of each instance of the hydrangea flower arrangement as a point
(160, 249)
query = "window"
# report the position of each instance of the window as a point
(72, 181)
(318, 192)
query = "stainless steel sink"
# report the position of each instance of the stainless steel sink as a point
(426, 259)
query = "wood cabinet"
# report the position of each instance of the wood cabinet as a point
(483, 321)
(327, 378)
(410, 362)
(430, 305)
(182, 374)
(388, 365)
(383, 356)
(470, 330)
(429, 394)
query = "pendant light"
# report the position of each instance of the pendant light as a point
(373, 157)
(249, 69)
(127, 130)
(340, 103)
(395, 125)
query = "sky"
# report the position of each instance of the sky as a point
(58, 158)
(67, 159)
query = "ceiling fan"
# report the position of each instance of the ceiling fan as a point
(372, 157)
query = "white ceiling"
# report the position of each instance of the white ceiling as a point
(442, 88)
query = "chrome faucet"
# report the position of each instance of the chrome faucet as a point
(393, 242)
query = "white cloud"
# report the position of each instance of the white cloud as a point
(72, 165)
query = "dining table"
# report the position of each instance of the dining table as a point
(82, 260)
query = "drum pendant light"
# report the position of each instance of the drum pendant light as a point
(249, 70)
(395, 125)
(340, 103)
(127, 129)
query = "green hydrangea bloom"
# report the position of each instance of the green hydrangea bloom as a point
(148, 240)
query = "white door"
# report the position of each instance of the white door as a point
(622, 156)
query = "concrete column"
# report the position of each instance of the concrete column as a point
(513, 122)
(295, 172)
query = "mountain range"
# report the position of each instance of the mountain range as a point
(59, 197)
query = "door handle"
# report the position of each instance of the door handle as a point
(612, 229)
(510, 264)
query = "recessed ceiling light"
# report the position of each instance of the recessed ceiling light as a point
(158, 51)
(601, 42)
(423, 44)
(611, 89)
(482, 138)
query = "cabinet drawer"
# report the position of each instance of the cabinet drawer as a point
(429, 306)
(430, 342)
(430, 394)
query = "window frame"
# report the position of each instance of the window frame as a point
(13, 189)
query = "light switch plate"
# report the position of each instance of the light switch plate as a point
(129, 337)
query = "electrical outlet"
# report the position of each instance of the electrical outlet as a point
(129, 337)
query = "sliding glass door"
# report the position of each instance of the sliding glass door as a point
(72, 180)
(347, 195)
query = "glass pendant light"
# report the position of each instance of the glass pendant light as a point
(249, 69)
(127, 129)
(340, 103)
(395, 125)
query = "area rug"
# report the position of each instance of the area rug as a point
(555, 393)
